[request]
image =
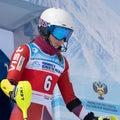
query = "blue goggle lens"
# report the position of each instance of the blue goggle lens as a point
(61, 33)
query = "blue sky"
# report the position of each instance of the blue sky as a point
(114, 4)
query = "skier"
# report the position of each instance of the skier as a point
(42, 64)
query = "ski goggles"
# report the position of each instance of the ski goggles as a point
(61, 33)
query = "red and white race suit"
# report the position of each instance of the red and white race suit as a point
(31, 62)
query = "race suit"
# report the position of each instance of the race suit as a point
(39, 63)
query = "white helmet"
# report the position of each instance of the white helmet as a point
(57, 16)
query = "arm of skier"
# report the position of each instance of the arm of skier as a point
(72, 102)
(17, 64)
(19, 91)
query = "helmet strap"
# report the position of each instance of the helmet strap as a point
(62, 48)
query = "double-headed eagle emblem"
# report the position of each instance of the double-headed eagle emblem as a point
(100, 88)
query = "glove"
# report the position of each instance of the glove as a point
(7, 87)
(108, 118)
(21, 94)
(90, 116)
(21, 91)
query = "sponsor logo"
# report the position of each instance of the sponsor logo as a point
(20, 63)
(50, 67)
(17, 60)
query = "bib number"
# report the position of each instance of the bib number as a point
(48, 83)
